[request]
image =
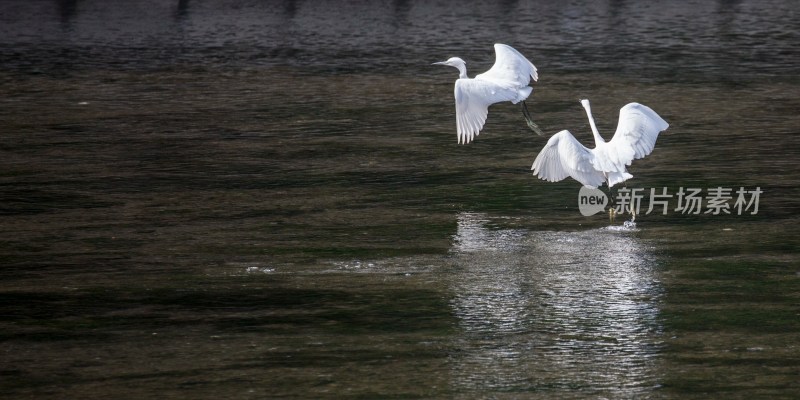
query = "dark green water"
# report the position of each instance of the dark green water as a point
(266, 199)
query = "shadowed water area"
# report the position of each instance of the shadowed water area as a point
(253, 199)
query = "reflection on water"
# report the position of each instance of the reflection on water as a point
(554, 310)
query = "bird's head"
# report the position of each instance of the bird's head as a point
(586, 106)
(456, 63)
(452, 61)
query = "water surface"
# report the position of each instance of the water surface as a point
(257, 199)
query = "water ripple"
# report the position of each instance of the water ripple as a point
(554, 309)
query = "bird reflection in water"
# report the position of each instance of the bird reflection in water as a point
(549, 311)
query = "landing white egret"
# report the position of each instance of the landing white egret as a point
(507, 80)
(636, 135)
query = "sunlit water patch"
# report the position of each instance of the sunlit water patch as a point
(550, 311)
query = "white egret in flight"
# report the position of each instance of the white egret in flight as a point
(564, 156)
(507, 80)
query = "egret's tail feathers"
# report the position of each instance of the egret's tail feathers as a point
(523, 93)
(618, 177)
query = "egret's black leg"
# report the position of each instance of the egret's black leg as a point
(529, 120)
(612, 203)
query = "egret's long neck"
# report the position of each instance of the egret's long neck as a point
(462, 71)
(597, 138)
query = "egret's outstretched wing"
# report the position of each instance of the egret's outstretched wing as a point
(564, 156)
(473, 98)
(638, 128)
(510, 66)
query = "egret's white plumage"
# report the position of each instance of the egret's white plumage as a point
(564, 156)
(507, 80)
